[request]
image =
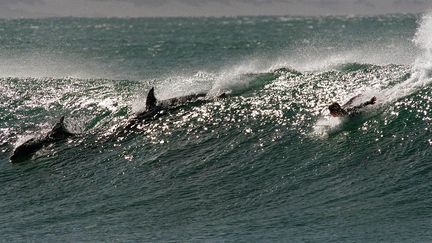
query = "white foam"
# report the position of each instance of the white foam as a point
(326, 125)
(233, 77)
(139, 103)
(421, 73)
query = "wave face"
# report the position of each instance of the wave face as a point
(266, 163)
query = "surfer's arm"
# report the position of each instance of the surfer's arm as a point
(370, 102)
(351, 100)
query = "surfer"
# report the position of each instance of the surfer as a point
(337, 110)
(58, 132)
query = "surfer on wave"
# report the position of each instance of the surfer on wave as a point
(337, 110)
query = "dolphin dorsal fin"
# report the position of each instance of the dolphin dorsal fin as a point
(151, 100)
(58, 126)
(59, 131)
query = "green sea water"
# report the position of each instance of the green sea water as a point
(267, 163)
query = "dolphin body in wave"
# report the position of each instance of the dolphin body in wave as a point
(155, 106)
(31, 146)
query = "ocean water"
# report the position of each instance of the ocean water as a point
(264, 164)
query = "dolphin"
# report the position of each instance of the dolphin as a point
(154, 107)
(28, 148)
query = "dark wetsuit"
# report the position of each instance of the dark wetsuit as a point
(354, 111)
(346, 110)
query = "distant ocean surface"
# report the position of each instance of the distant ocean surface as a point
(264, 164)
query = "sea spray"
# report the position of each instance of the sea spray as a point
(420, 75)
(422, 66)
(423, 39)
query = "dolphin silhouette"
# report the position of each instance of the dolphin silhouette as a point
(155, 106)
(28, 148)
